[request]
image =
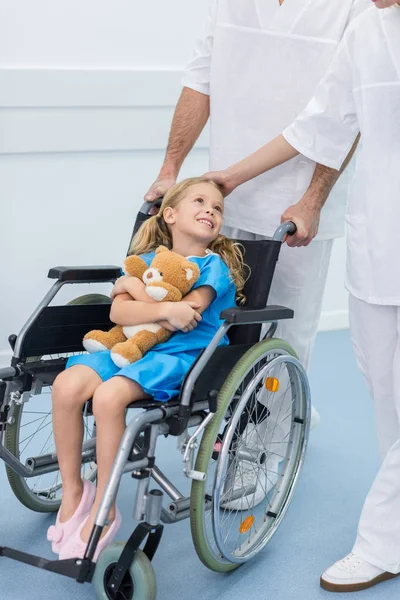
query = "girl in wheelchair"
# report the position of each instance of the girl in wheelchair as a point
(188, 222)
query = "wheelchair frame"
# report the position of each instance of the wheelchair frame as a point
(136, 452)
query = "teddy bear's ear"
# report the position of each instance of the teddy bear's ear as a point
(161, 249)
(135, 266)
(189, 274)
(192, 272)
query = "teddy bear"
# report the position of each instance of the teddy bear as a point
(169, 278)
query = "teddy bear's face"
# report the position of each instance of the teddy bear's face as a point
(152, 275)
(169, 271)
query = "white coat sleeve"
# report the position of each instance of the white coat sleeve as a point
(326, 130)
(357, 8)
(197, 72)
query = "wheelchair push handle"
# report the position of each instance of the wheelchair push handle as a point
(142, 216)
(287, 228)
(147, 206)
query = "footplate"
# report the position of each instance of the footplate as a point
(79, 569)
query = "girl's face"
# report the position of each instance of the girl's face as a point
(384, 3)
(198, 214)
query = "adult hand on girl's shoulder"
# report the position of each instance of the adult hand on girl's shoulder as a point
(182, 315)
(306, 218)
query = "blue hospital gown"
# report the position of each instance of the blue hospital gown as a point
(161, 371)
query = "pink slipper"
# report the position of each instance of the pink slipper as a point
(75, 547)
(59, 533)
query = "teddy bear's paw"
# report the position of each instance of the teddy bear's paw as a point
(92, 346)
(119, 360)
(124, 354)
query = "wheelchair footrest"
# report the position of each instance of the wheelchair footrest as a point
(79, 569)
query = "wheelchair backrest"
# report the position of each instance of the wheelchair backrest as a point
(260, 257)
(60, 329)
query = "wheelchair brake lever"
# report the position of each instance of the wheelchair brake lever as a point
(188, 453)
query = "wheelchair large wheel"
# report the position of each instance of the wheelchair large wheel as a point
(139, 583)
(31, 434)
(251, 452)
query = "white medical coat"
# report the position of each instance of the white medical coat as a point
(260, 63)
(361, 91)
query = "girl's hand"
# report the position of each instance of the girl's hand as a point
(167, 325)
(182, 315)
(119, 287)
(225, 180)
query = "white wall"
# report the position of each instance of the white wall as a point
(99, 34)
(87, 91)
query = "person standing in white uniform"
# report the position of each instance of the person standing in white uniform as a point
(361, 92)
(253, 71)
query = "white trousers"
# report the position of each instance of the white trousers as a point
(298, 283)
(375, 332)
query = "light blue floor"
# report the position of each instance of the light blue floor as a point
(319, 527)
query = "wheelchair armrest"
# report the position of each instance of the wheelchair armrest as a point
(85, 274)
(245, 316)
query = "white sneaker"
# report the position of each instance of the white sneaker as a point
(315, 418)
(353, 574)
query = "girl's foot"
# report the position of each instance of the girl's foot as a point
(70, 502)
(75, 547)
(89, 523)
(59, 533)
(353, 574)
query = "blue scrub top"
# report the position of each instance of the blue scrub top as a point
(161, 371)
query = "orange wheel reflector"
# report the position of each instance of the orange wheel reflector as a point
(272, 384)
(247, 524)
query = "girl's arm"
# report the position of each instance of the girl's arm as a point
(201, 296)
(266, 158)
(132, 286)
(134, 289)
(179, 315)
(125, 311)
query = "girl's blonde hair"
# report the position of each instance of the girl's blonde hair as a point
(155, 232)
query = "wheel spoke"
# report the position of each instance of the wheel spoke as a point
(31, 436)
(255, 472)
(48, 486)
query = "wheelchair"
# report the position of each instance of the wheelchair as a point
(231, 405)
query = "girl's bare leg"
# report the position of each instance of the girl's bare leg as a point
(109, 405)
(71, 390)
